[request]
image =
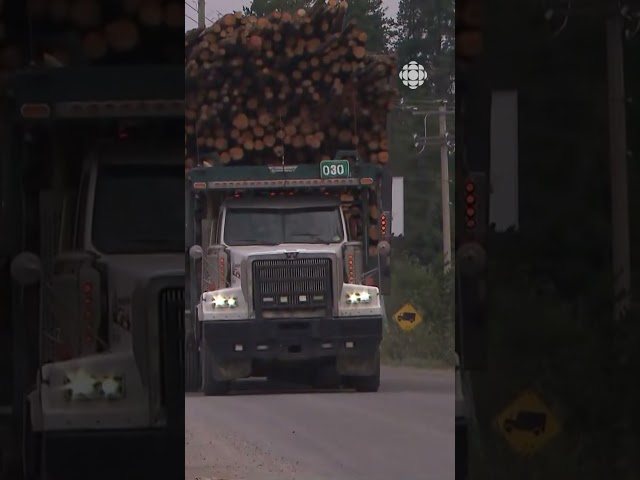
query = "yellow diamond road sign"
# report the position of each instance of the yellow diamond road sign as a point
(407, 317)
(527, 423)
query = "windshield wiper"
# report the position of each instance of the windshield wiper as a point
(153, 243)
(242, 243)
(315, 238)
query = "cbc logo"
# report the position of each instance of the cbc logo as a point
(413, 75)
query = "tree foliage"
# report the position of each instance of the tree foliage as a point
(370, 15)
(430, 291)
(265, 7)
(425, 32)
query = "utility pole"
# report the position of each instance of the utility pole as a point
(442, 113)
(201, 14)
(621, 257)
(444, 186)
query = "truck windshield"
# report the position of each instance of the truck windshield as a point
(261, 226)
(139, 209)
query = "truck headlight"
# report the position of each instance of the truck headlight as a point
(225, 304)
(82, 385)
(358, 297)
(221, 301)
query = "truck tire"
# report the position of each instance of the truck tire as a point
(210, 386)
(191, 369)
(370, 383)
(31, 448)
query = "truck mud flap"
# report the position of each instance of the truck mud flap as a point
(227, 370)
(357, 365)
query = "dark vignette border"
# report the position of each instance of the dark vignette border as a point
(44, 155)
(549, 312)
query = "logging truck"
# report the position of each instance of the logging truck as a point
(98, 306)
(286, 283)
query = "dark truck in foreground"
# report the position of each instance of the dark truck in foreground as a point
(98, 301)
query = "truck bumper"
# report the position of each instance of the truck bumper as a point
(236, 345)
(128, 454)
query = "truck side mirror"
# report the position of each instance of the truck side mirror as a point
(26, 269)
(384, 249)
(195, 252)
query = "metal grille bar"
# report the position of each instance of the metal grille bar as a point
(171, 317)
(284, 284)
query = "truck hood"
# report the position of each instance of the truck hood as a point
(238, 254)
(126, 272)
(142, 267)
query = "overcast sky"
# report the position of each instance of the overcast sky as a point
(216, 7)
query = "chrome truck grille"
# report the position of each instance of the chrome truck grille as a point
(171, 322)
(292, 284)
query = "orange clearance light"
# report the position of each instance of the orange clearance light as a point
(35, 110)
(351, 272)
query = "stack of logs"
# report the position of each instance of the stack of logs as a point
(297, 86)
(77, 32)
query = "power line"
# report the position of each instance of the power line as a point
(187, 16)
(195, 10)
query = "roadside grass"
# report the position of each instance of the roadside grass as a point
(566, 352)
(431, 343)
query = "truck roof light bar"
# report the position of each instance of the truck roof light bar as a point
(35, 110)
(233, 185)
(106, 109)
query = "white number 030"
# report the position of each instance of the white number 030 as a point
(333, 169)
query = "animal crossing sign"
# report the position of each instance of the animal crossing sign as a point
(407, 317)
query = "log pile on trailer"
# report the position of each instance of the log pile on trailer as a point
(82, 32)
(297, 86)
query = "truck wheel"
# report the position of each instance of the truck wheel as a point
(192, 369)
(210, 386)
(370, 383)
(215, 388)
(31, 448)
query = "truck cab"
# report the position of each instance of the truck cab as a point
(251, 225)
(119, 242)
(283, 277)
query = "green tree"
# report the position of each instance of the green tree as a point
(265, 7)
(424, 31)
(371, 16)
(426, 34)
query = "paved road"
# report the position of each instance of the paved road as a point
(405, 431)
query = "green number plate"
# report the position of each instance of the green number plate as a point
(334, 169)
